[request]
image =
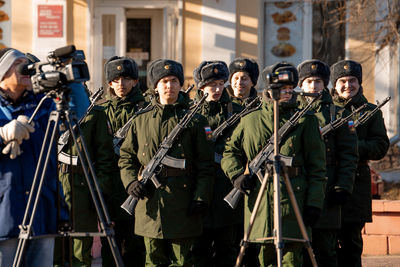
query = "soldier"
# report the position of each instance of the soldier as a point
(169, 217)
(123, 100)
(373, 143)
(307, 174)
(98, 141)
(243, 75)
(341, 160)
(216, 246)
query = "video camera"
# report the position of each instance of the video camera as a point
(65, 65)
(281, 77)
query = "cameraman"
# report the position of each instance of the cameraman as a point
(21, 144)
(307, 174)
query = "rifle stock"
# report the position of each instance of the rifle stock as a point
(150, 171)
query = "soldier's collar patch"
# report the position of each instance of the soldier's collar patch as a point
(208, 132)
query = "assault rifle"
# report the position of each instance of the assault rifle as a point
(232, 120)
(367, 115)
(187, 91)
(333, 125)
(120, 135)
(267, 154)
(63, 140)
(158, 160)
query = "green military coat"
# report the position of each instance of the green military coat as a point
(164, 214)
(341, 157)
(303, 143)
(98, 141)
(239, 101)
(220, 213)
(373, 144)
(119, 111)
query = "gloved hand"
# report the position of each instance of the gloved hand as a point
(311, 215)
(197, 207)
(244, 182)
(338, 197)
(137, 189)
(13, 133)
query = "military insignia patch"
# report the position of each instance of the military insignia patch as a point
(166, 67)
(351, 126)
(119, 67)
(208, 132)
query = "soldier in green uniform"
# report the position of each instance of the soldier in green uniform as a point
(98, 140)
(170, 217)
(307, 174)
(373, 143)
(243, 75)
(123, 100)
(216, 246)
(341, 160)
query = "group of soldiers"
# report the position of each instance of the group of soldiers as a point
(184, 221)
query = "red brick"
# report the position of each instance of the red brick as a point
(377, 205)
(394, 244)
(384, 223)
(375, 245)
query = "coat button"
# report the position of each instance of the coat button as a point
(184, 185)
(143, 154)
(182, 155)
(146, 144)
(298, 188)
(26, 192)
(179, 145)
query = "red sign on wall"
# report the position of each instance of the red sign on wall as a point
(50, 21)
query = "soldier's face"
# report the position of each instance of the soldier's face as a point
(214, 90)
(123, 85)
(168, 89)
(241, 84)
(312, 85)
(347, 86)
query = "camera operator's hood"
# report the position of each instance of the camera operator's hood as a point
(7, 58)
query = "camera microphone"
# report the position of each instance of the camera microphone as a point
(63, 51)
(306, 94)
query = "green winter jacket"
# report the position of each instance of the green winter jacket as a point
(164, 214)
(373, 144)
(220, 214)
(98, 141)
(119, 111)
(303, 143)
(341, 157)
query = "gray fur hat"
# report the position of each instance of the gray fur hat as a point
(209, 71)
(121, 67)
(313, 68)
(161, 68)
(247, 65)
(346, 68)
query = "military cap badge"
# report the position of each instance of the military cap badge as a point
(119, 67)
(313, 66)
(215, 70)
(346, 67)
(166, 67)
(241, 64)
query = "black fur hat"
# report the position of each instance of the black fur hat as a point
(161, 68)
(121, 67)
(280, 66)
(346, 68)
(313, 68)
(209, 71)
(247, 65)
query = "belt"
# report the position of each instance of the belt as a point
(294, 171)
(65, 168)
(168, 171)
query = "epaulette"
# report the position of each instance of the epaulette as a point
(144, 110)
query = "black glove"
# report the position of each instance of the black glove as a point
(338, 197)
(137, 189)
(244, 182)
(197, 208)
(311, 215)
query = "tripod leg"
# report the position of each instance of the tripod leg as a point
(299, 218)
(104, 222)
(245, 240)
(26, 230)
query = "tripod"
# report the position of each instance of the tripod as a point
(277, 231)
(63, 114)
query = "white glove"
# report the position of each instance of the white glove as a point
(12, 148)
(13, 133)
